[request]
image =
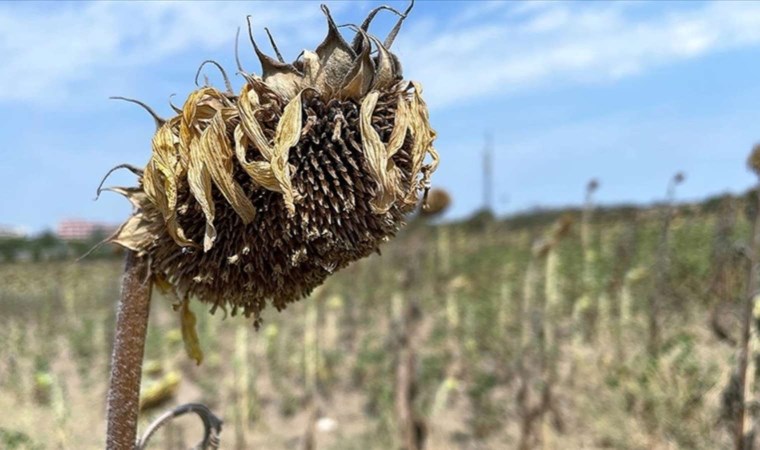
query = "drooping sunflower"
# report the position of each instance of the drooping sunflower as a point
(258, 196)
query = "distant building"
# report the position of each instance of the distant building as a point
(78, 230)
(8, 232)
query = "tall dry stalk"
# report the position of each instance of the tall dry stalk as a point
(311, 368)
(587, 306)
(448, 288)
(552, 326)
(506, 296)
(244, 386)
(127, 357)
(540, 338)
(619, 287)
(724, 278)
(661, 269)
(748, 314)
(411, 427)
(608, 237)
(526, 401)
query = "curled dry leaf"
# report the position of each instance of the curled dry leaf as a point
(189, 333)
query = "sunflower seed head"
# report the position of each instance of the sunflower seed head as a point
(258, 196)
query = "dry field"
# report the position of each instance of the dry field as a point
(537, 332)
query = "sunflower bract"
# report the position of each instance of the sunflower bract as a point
(258, 196)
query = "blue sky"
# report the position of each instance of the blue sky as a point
(628, 93)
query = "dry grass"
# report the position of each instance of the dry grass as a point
(58, 316)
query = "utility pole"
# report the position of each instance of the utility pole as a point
(488, 173)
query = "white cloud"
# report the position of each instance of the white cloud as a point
(562, 43)
(482, 49)
(48, 48)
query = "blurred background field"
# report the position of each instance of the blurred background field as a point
(499, 325)
(609, 328)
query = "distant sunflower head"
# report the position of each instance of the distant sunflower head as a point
(259, 195)
(754, 159)
(436, 203)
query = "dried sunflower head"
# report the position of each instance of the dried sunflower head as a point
(258, 196)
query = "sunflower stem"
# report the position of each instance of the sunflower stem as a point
(127, 357)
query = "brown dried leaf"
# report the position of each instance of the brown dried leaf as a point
(359, 79)
(282, 78)
(385, 73)
(136, 196)
(139, 231)
(134, 234)
(336, 58)
(311, 68)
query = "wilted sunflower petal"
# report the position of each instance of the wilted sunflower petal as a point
(217, 154)
(247, 105)
(161, 179)
(259, 171)
(430, 149)
(377, 156)
(187, 131)
(423, 137)
(199, 180)
(287, 135)
(189, 333)
(400, 127)
(153, 187)
(199, 109)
